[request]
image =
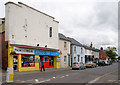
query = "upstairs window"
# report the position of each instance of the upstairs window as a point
(65, 45)
(74, 49)
(50, 32)
(81, 50)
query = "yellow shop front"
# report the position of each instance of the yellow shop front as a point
(27, 58)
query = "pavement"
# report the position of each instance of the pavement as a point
(101, 74)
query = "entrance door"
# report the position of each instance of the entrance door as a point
(68, 60)
(51, 62)
(15, 62)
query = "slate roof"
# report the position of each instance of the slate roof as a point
(61, 36)
(74, 42)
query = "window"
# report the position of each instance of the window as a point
(45, 58)
(78, 58)
(74, 58)
(81, 50)
(27, 61)
(74, 49)
(50, 31)
(81, 59)
(65, 45)
(64, 58)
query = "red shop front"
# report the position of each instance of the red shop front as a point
(48, 61)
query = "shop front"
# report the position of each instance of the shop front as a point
(29, 59)
(89, 58)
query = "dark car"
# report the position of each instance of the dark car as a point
(101, 63)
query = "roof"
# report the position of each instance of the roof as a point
(29, 7)
(61, 36)
(74, 42)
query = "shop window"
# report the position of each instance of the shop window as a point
(28, 61)
(46, 59)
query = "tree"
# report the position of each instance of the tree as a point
(111, 52)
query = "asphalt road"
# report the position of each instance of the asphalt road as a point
(102, 74)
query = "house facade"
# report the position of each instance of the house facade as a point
(64, 47)
(77, 51)
(32, 37)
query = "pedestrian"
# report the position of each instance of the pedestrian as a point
(42, 66)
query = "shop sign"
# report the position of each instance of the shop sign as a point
(58, 59)
(40, 52)
(23, 50)
(37, 59)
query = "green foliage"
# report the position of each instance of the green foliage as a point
(111, 52)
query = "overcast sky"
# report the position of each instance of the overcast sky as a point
(85, 20)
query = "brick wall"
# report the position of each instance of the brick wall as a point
(102, 55)
(4, 52)
(0, 50)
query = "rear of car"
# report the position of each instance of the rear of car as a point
(76, 65)
(91, 64)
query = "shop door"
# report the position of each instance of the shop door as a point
(51, 62)
(15, 62)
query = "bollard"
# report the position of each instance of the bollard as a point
(9, 75)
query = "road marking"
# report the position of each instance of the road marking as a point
(44, 80)
(62, 76)
(96, 79)
(37, 80)
(54, 77)
(66, 75)
(22, 81)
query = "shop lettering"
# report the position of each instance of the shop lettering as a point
(23, 51)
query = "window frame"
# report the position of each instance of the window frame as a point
(29, 61)
(50, 32)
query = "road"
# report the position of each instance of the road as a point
(102, 74)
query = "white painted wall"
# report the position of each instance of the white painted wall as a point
(78, 52)
(20, 18)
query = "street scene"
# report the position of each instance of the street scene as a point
(76, 44)
(102, 74)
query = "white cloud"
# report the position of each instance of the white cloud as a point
(85, 20)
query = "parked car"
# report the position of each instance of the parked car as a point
(91, 64)
(77, 65)
(101, 63)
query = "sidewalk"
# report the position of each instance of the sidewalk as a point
(37, 71)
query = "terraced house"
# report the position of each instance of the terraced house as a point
(32, 37)
(77, 51)
(64, 47)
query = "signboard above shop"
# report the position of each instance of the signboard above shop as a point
(23, 50)
(35, 52)
(41, 52)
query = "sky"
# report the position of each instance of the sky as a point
(87, 21)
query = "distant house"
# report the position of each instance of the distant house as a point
(77, 51)
(91, 53)
(64, 47)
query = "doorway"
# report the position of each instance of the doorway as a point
(15, 62)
